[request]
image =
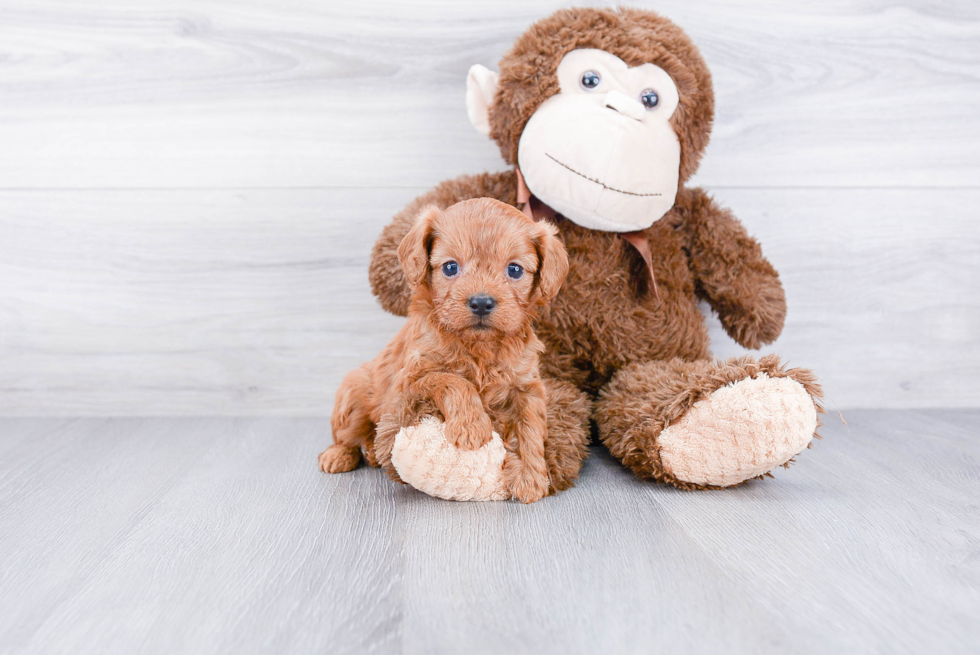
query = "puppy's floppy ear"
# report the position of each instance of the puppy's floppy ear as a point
(413, 251)
(552, 261)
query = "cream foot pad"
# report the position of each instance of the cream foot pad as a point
(739, 432)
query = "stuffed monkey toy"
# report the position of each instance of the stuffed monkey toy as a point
(604, 115)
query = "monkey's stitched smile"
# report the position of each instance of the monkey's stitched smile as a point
(603, 185)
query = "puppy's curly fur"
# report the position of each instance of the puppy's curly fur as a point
(478, 271)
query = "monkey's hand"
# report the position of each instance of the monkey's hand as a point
(730, 271)
(756, 316)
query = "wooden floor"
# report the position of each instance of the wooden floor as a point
(219, 535)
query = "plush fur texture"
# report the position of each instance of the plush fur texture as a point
(478, 369)
(643, 356)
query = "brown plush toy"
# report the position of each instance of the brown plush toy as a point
(605, 114)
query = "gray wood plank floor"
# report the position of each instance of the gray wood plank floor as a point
(218, 535)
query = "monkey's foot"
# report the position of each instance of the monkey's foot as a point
(426, 460)
(739, 432)
(707, 425)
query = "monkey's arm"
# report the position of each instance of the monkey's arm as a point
(731, 273)
(385, 273)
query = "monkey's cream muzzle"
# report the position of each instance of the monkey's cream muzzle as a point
(599, 152)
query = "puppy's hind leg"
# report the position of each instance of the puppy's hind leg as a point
(350, 423)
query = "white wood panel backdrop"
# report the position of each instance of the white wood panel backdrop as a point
(189, 190)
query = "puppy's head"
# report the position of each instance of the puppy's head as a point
(481, 266)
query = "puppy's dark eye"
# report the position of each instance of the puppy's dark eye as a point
(450, 269)
(649, 98)
(515, 271)
(590, 80)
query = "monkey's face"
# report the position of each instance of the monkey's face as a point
(602, 151)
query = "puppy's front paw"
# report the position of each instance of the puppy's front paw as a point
(339, 459)
(524, 483)
(469, 434)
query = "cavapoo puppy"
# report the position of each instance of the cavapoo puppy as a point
(478, 270)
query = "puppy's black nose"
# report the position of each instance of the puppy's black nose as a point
(482, 304)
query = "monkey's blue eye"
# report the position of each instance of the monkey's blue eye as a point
(515, 271)
(590, 80)
(450, 269)
(649, 98)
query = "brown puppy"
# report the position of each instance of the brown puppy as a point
(478, 272)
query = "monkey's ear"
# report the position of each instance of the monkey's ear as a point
(552, 262)
(481, 85)
(413, 251)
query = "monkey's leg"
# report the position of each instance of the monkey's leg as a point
(350, 424)
(701, 425)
